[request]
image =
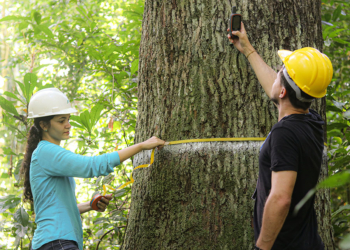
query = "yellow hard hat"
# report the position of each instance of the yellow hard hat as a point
(309, 69)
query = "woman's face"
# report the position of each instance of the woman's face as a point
(58, 130)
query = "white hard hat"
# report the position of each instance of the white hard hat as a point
(50, 101)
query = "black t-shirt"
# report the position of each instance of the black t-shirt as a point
(294, 143)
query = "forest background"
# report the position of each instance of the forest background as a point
(90, 51)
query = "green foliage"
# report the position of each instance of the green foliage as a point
(336, 33)
(8, 106)
(87, 120)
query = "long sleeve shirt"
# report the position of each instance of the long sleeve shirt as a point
(52, 170)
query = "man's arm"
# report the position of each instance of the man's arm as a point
(266, 75)
(276, 207)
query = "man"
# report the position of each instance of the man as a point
(290, 158)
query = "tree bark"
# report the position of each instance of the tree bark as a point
(194, 85)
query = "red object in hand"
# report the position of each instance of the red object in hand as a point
(95, 200)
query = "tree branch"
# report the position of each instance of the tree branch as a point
(98, 244)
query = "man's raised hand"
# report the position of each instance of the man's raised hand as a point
(241, 42)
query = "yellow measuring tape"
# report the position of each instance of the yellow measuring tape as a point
(190, 141)
(180, 142)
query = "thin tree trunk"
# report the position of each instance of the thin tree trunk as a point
(194, 85)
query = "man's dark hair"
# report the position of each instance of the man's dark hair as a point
(292, 96)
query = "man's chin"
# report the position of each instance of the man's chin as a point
(274, 100)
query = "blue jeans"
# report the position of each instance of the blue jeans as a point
(59, 245)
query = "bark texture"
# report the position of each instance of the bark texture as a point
(192, 84)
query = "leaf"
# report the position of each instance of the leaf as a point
(335, 33)
(93, 25)
(21, 86)
(46, 30)
(17, 169)
(101, 220)
(119, 218)
(340, 161)
(107, 179)
(339, 105)
(37, 17)
(338, 40)
(95, 114)
(347, 114)
(304, 200)
(100, 233)
(30, 81)
(8, 151)
(336, 180)
(342, 208)
(117, 125)
(21, 216)
(23, 25)
(336, 13)
(338, 140)
(8, 106)
(4, 175)
(134, 66)
(17, 242)
(82, 11)
(5, 198)
(36, 69)
(74, 124)
(75, 118)
(12, 95)
(336, 125)
(10, 18)
(119, 192)
(21, 230)
(327, 17)
(9, 203)
(85, 120)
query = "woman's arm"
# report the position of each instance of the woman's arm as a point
(132, 150)
(84, 207)
(56, 161)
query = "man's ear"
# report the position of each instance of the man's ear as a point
(283, 93)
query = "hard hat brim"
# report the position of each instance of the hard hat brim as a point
(61, 112)
(283, 54)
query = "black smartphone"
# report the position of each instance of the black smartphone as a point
(234, 21)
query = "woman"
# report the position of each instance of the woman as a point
(49, 170)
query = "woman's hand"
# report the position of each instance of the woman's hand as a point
(152, 143)
(132, 150)
(103, 203)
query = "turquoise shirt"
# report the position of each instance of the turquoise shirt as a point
(51, 171)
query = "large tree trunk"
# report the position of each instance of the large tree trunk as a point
(194, 85)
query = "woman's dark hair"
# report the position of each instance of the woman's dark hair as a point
(292, 95)
(34, 137)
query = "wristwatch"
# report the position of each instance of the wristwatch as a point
(256, 248)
